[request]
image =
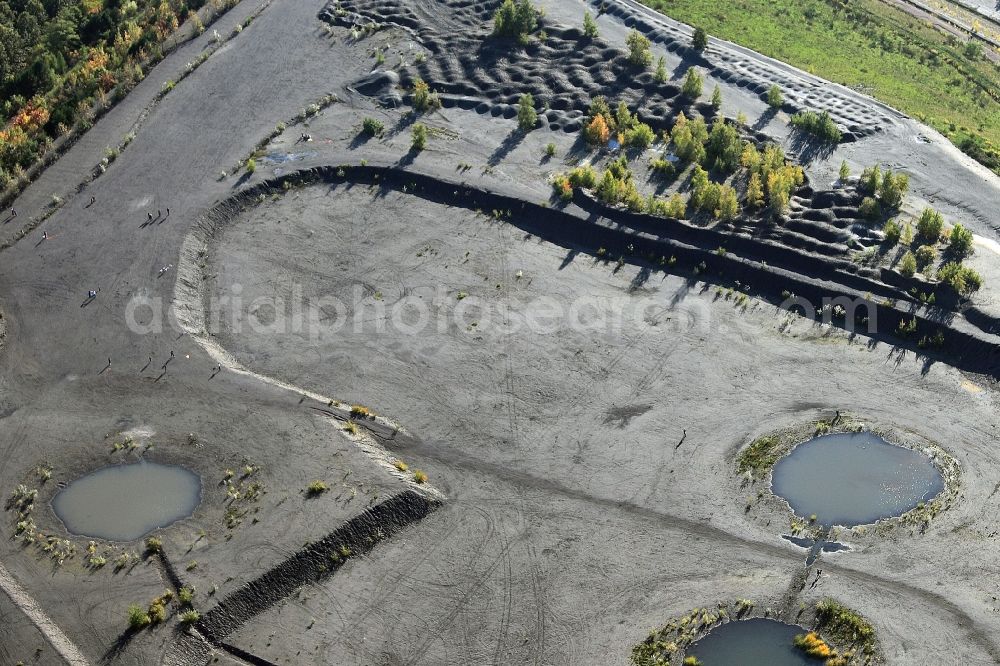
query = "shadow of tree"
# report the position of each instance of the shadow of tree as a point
(765, 119)
(512, 141)
(810, 148)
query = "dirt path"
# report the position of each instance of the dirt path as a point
(20, 598)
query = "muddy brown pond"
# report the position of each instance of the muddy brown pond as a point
(853, 479)
(126, 502)
(756, 642)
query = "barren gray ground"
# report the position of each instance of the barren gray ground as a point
(573, 523)
(587, 421)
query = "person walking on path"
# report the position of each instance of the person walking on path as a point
(13, 213)
(149, 216)
(93, 200)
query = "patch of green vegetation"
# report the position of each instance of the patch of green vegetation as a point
(515, 20)
(760, 456)
(372, 127)
(185, 596)
(154, 545)
(190, 616)
(419, 133)
(316, 488)
(820, 125)
(665, 645)
(870, 46)
(137, 617)
(527, 117)
(845, 626)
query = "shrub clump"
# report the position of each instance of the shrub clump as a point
(774, 97)
(700, 39)
(960, 242)
(962, 279)
(190, 616)
(138, 618)
(892, 232)
(814, 646)
(760, 456)
(638, 49)
(603, 122)
(929, 225)
(423, 98)
(361, 412)
(515, 20)
(908, 264)
(693, 84)
(316, 488)
(419, 134)
(527, 118)
(890, 188)
(925, 255)
(845, 625)
(819, 125)
(372, 127)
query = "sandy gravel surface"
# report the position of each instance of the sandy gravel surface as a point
(574, 522)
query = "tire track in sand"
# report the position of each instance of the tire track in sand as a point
(53, 634)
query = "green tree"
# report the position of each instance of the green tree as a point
(926, 256)
(676, 206)
(869, 209)
(908, 264)
(724, 147)
(774, 97)
(692, 86)
(423, 98)
(960, 242)
(419, 133)
(716, 98)
(844, 173)
(907, 237)
(892, 232)
(689, 137)
(515, 19)
(661, 71)
(700, 39)
(729, 207)
(892, 189)
(755, 191)
(962, 279)
(640, 135)
(527, 118)
(929, 225)
(638, 49)
(589, 26)
(871, 179)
